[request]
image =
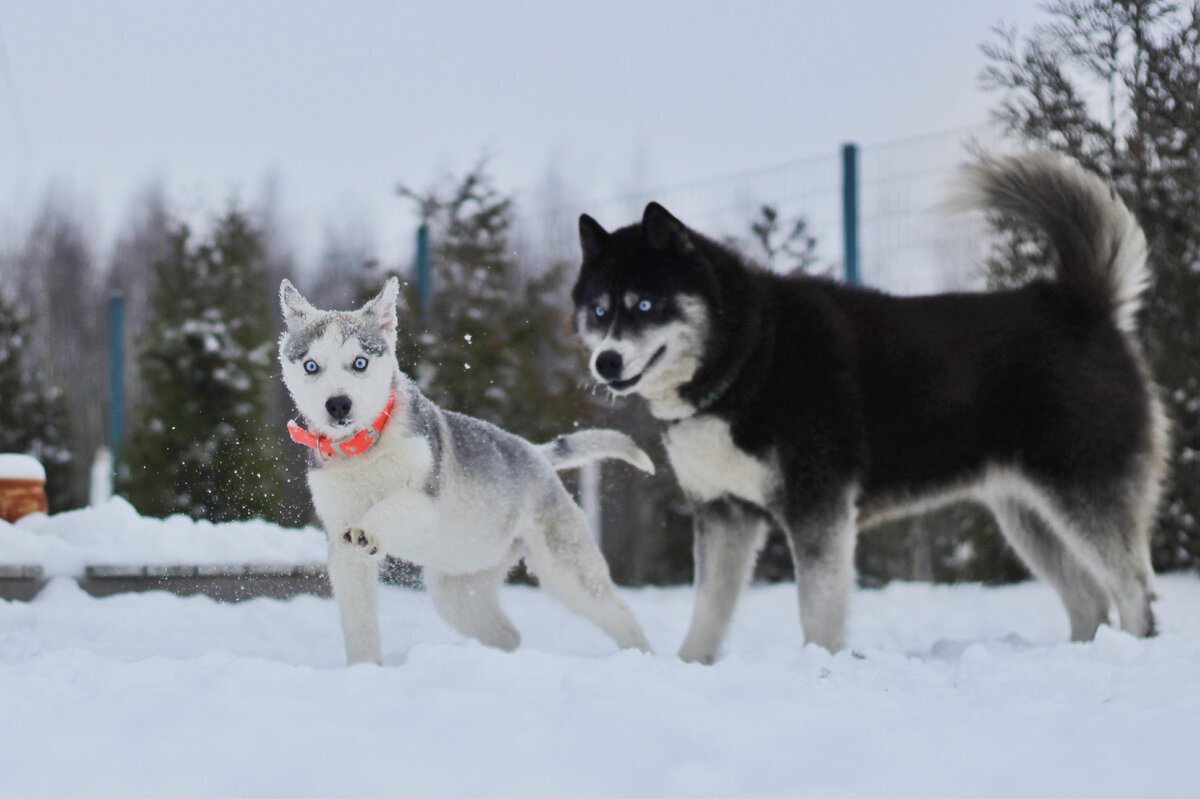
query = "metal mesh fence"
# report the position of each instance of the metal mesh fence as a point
(907, 244)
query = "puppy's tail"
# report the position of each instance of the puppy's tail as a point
(576, 449)
(1101, 248)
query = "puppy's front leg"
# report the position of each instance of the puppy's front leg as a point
(355, 581)
(358, 542)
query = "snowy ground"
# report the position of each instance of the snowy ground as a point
(950, 691)
(115, 534)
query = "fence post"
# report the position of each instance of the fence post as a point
(116, 377)
(424, 273)
(850, 212)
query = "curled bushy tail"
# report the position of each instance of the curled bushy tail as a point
(1101, 248)
(576, 449)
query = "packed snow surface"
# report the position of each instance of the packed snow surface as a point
(946, 692)
(114, 534)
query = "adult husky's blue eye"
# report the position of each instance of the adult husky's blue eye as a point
(600, 311)
(360, 363)
(645, 305)
(311, 367)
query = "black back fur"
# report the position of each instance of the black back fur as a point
(904, 395)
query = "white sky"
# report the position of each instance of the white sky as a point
(340, 100)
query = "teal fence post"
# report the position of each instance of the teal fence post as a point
(424, 272)
(850, 212)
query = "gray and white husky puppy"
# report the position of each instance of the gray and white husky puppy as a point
(817, 408)
(393, 474)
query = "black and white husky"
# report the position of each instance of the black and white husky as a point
(818, 408)
(394, 474)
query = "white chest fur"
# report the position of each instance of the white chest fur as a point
(345, 489)
(708, 464)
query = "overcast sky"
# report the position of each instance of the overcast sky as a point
(340, 100)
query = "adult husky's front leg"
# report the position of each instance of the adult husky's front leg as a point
(728, 536)
(354, 576)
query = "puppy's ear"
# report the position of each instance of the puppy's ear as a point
(664, 233)
(383, 307)
(591, 237)
(295, 308)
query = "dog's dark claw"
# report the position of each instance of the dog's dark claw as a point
(362, 539)
(374, 550)
(346, 537)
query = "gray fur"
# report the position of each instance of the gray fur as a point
(575, 449)
(349, 326)
(297, 343)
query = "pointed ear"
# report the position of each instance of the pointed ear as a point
(591, 237)
(664, 232)
(295, 308)
(383, 307)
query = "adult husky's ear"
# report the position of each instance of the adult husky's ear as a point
(591, 237)
(295, 308)
(664, 232)
(383, 307)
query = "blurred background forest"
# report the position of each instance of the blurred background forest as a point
(1115, 85)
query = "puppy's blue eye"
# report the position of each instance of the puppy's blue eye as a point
(360, 363)
(311, 367)
(600, 311)
(645, 305)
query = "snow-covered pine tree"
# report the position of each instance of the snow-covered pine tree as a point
(201, 442)
(497, 343)
(1116, 85)
(33, 416)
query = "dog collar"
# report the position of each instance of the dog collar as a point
(355, 445)
(718, 391)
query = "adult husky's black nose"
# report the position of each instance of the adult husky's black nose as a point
(338, 407)
(608, 364)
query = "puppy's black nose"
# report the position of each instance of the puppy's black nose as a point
(338, 407)
(608, 364)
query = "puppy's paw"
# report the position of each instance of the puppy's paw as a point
(360, 542)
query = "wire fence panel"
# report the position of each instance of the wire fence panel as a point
(907, 244)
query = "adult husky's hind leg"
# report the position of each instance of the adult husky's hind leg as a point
(470, 603)
(1048, 557)
(1108, 527)
(564, 557)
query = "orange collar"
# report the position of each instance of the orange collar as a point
(356, 445)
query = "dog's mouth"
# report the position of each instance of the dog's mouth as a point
(630, 382)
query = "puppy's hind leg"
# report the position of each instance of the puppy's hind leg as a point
(569, 566)
(470, 603)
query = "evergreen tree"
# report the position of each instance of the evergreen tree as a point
(496, 343)
(55, 280)
(33, 416)
(201, 442)
(1116, 85)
